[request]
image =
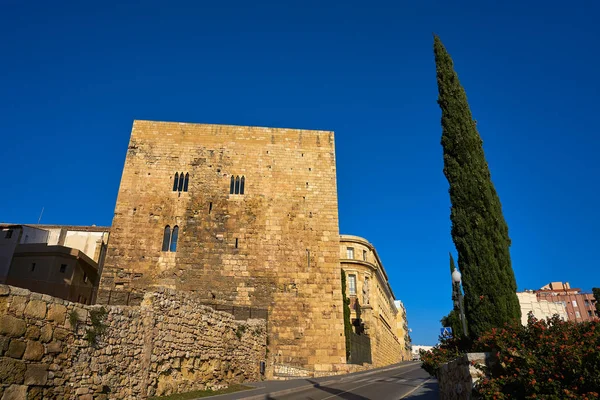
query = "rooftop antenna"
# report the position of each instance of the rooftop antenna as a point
(42, 213)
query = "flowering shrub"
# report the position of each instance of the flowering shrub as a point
(547, 359)
(447, 350)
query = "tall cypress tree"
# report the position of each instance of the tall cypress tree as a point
(479, 230)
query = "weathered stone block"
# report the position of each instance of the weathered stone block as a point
(16, 348)
(33, 332)
(34, 351)
(36, 309)
(4, 341)
(36, 374)
(54, 347)
(57, 313)
(17, 305)
(46, 333)
(11, 371)
(15, 392)
(11, 326)
(60, 334)
(4, 290)
(35, 393)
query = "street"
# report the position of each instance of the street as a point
(402, 381)
(408, 381)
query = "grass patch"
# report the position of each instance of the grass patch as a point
(202, 393)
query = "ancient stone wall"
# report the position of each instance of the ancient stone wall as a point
(386, 346)
(456, 378)
(170, 343)
(275, 246)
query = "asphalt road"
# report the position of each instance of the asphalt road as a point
(406, 381)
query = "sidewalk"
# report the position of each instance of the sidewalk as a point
(263, 389)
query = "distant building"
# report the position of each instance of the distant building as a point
(416, 348)
(370, 294)
(61, 261)
(579, 306)
(540, 308)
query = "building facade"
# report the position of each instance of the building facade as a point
(541, 308)
(373, 302)
(61, 261)
(579, 306)
(238, 215)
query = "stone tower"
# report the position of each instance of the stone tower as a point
(250, 219)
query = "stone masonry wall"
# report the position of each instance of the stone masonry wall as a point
(170, 343)
(387, 349)
(276, 246)
(456, 378)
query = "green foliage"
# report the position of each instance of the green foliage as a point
(479, 230)
(452, 320)
(239, 332)
(547, 359)
(447, 350)
(73, 319)
(97, 317)
(596, 292)
(347, 322)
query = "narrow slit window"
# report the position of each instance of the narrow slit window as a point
(175, 182)
(232, 185)
(243, 181)
(210, 207)
(236, 243)
(63, 268)
(185, 182)
(180, 182)
(237, 185)
(174, 237)
(32, 267)
(166, 238)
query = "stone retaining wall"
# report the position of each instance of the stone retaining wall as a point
(170, 343)
(456, 378)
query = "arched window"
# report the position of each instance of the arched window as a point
(231, 185)
(237, 185)
(174, 238)
(186, 181)
(180, 182)
(175, 182)
(242, 185)
(166, 238)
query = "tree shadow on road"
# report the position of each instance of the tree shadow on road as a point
(342, 394)
(428, 391)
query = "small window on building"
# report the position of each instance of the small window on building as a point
(577, 314)
(574, 303)
(185, 182)
(586, 302)
(364, 255)
(63, 268)
(237, 185)
(166, 238)
(350, 253)
(180, 188)
(8, 234)
(174, 237)
(236, 243)
(85, 278)
(32, 267)
(590, 313)
(352, 285)
(175, 182)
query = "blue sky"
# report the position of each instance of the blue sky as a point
(74, 75)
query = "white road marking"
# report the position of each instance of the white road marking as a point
(412, 391)
(375, 381)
